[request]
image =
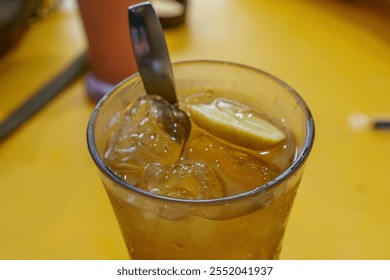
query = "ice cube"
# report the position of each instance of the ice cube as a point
(185, 181)
(151, 131)
(241, 170)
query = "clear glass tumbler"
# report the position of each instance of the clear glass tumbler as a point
(248, 225)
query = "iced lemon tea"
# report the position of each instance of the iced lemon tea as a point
(222, 189)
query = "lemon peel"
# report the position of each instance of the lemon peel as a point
(254, 133)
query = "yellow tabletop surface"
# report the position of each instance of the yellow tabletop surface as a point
(336, 54)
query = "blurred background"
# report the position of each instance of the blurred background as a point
(335, 53)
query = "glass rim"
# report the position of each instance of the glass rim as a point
(299, 160)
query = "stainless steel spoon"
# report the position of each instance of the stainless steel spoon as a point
(151, 52)
(154, 65)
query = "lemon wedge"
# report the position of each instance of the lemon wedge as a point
(253, 133)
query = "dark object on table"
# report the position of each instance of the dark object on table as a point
(171, 13)
(14, 20)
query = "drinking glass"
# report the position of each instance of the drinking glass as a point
(248, 225)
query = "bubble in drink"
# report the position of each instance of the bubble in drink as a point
(151, 131)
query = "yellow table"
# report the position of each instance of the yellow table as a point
(335, 54)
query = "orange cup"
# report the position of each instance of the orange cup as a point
(109, 46)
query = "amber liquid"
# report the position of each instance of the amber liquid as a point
(253, 235)
(246, 228)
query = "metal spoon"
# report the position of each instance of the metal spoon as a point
(151, 52)
(152, 58)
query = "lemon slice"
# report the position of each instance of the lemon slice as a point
(253, 133)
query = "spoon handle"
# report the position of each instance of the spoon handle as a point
(151, 52)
